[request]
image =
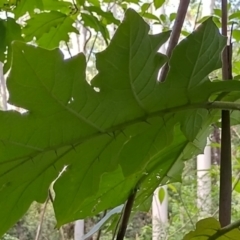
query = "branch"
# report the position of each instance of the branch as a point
(223, 105)
(224, 230)
(177, 28)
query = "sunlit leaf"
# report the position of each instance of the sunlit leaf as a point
(158, 3)
(217, 12)
(108, 16)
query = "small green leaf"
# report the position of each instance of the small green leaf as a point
(129, 1)
(185, 33)
(172, 16)
(237, 184)
(217, 12)
(236, 34)
(158, 3)
(108, 16)
(203, 19)
(217, 21)
(172, 188)
(94, 2)
(150, 16)
(235, 15)
(145, 7)
(92, 22)
(163, 18)
(161, 195)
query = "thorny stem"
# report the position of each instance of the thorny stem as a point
(126, 214)
(176, 31)
(225, 195)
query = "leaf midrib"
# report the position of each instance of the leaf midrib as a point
(75, 114)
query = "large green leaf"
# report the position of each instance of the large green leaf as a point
(49, 28)
(28, 6)
(122, 131)
(22, 7)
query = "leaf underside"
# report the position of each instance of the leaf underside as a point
(133, 131)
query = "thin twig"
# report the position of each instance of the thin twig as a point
(91, 50)
(177, 28)
(184, 206)
(197, 15)
(68, 49)
(117, 226)
(51, 199)
(39, 230)
(61, 233)
(88, 39)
